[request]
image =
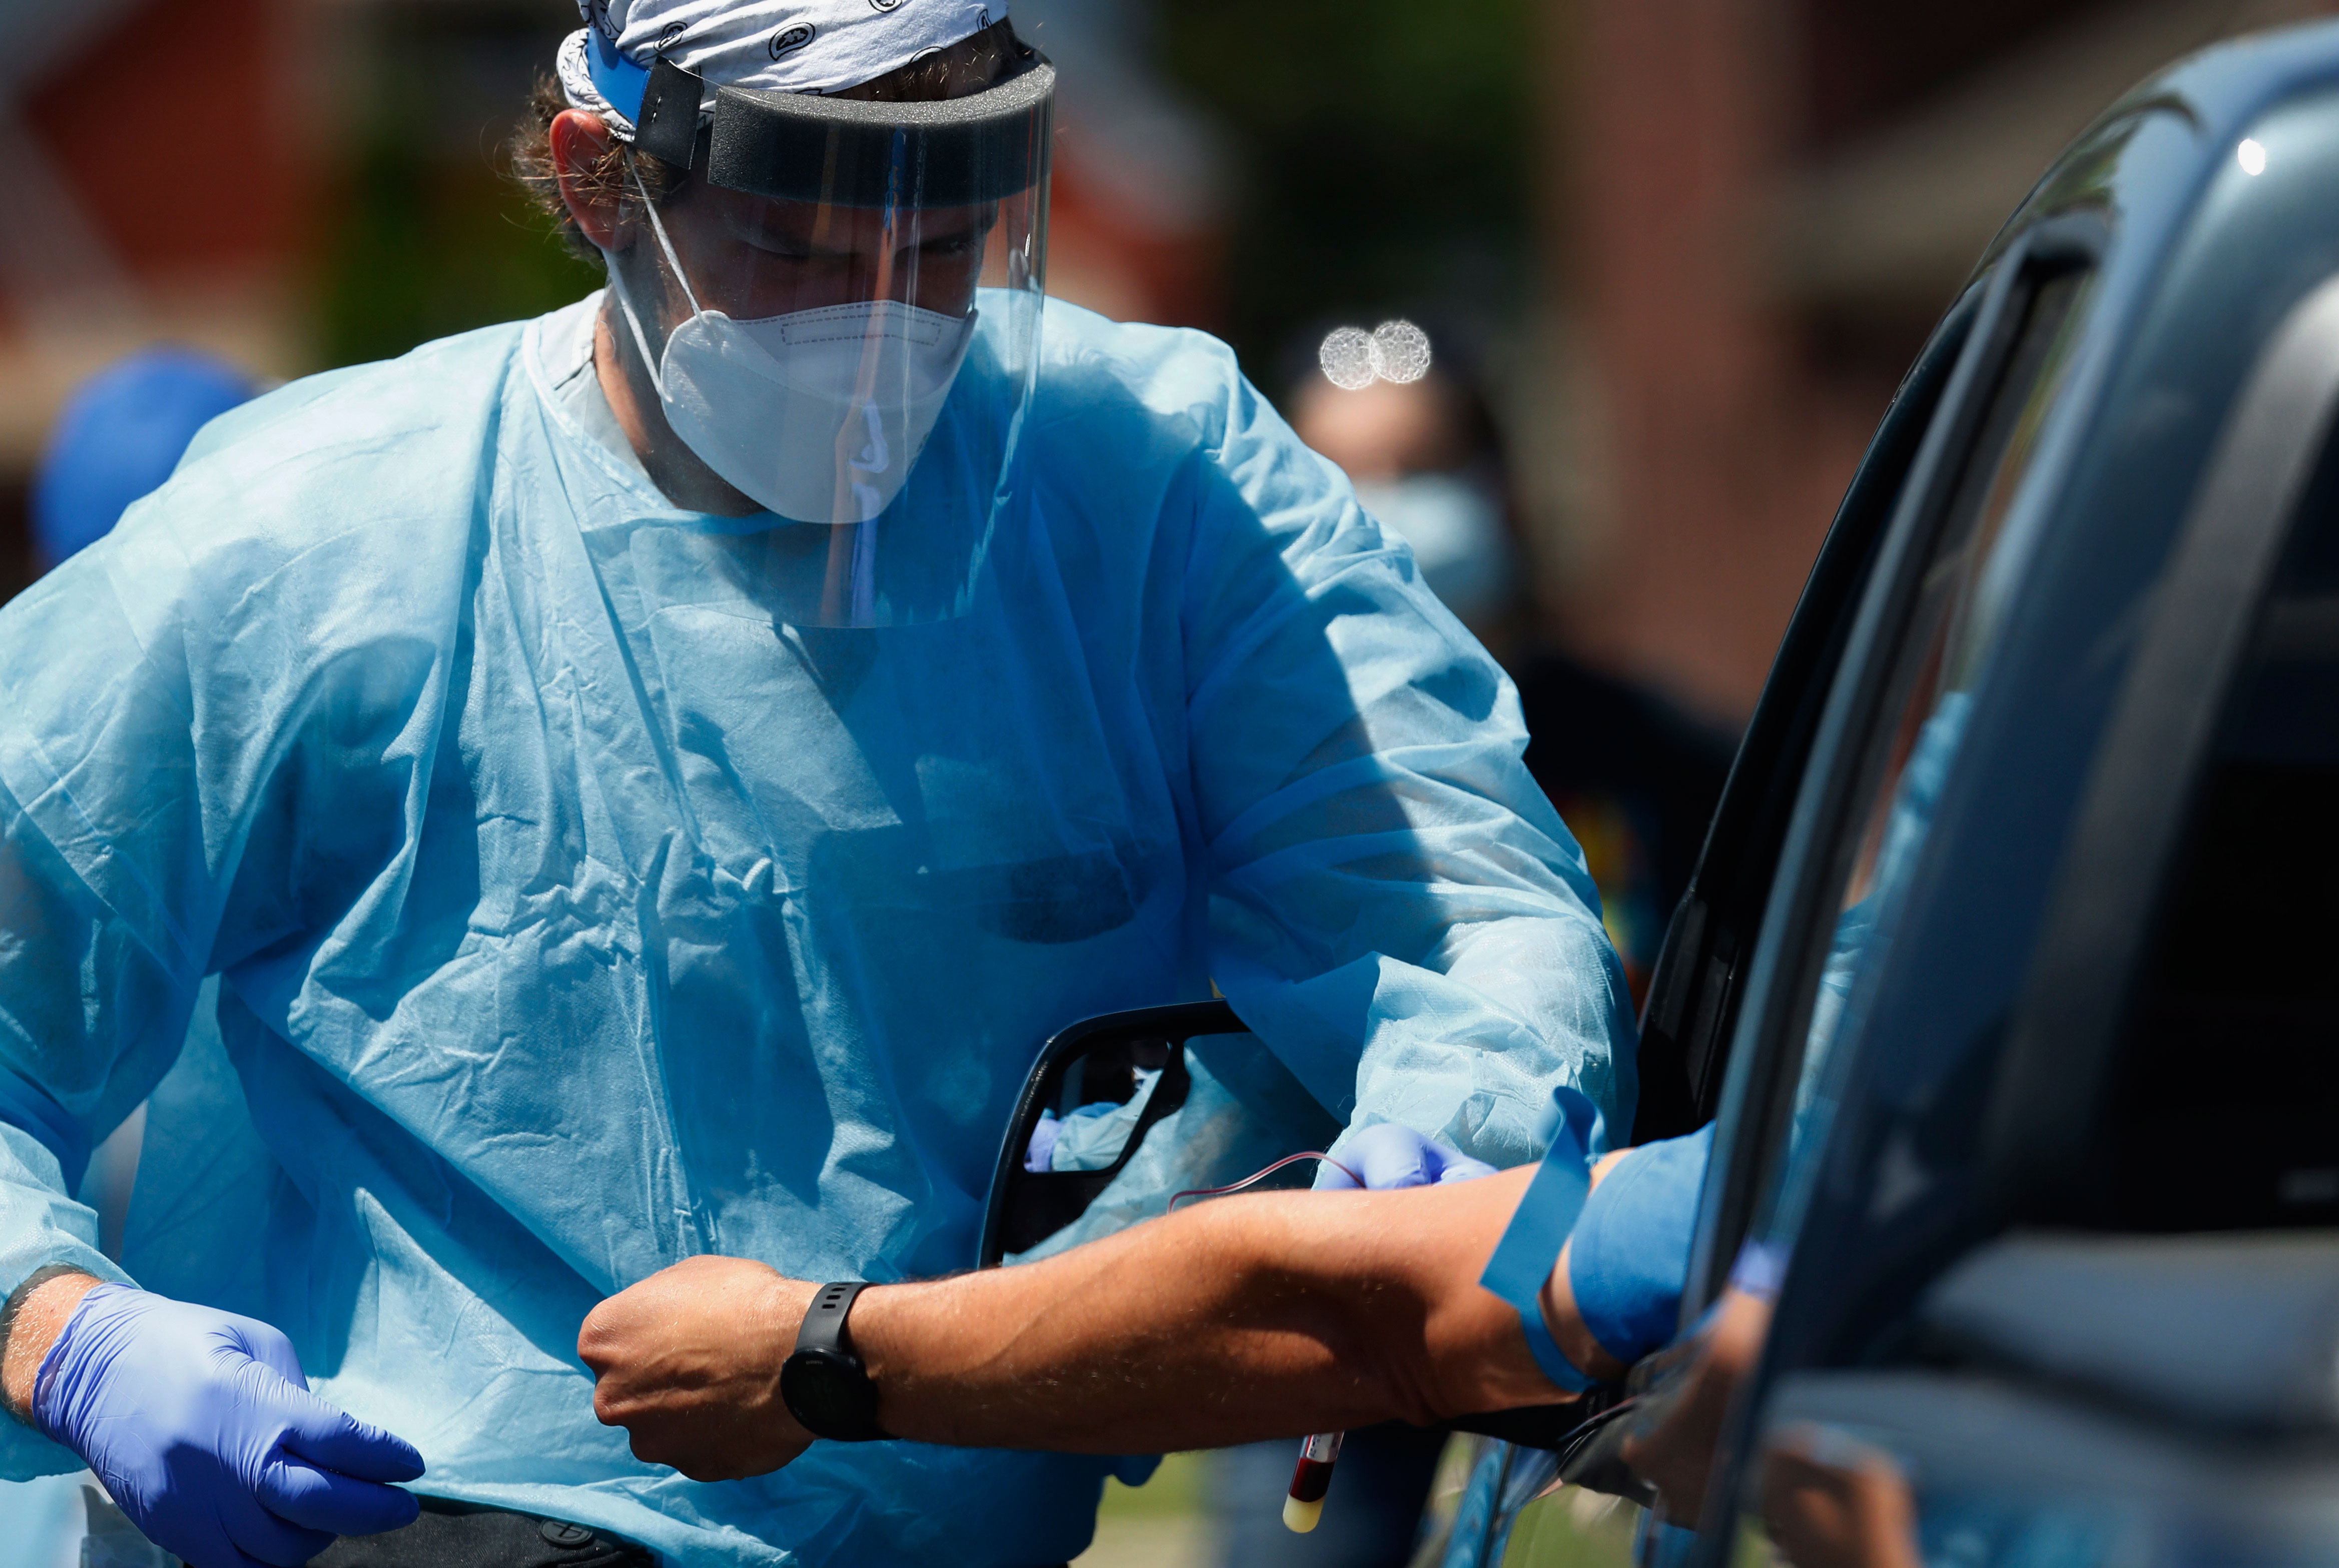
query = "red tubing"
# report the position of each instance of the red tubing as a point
(1178, 1199)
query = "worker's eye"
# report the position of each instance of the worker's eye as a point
(792, 252)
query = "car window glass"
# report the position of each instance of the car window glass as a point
(1943, 648)
(2231, 1041)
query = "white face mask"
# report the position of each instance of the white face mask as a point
(1457, 535)
(816, 415)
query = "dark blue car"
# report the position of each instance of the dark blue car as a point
(2012, 968)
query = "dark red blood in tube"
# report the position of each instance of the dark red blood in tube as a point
(1311, 1480)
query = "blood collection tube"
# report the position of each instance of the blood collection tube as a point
(1310, 1481)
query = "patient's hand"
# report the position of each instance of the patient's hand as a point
(1831, 1502)
(689, 1362)
(1673, 1449)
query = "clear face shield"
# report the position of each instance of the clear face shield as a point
(840, 310)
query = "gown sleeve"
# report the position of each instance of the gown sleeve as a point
(103, 906)
(1396, 908)
(217, 731)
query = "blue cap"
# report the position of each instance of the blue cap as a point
(118, 439)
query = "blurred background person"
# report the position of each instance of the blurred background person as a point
(1633, 773)
(119, 437)
(1422, 448)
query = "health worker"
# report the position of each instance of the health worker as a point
(647, 780)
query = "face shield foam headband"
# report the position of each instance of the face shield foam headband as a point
(819, 414)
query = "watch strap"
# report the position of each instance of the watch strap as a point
(824, 1321)
(823, 1338)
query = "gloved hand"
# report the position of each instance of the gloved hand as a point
(1039, 1154)
(1388, 1156)
(1628, 1256)
(203, 1430)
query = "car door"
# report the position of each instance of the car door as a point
(1812, 844)
(2033, 1007)
(2125, 1356)
(2112, 329)
(1915, 635)
(1917, 642)
(1719, 1030)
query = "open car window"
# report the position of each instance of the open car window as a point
(1924, 628)
(2033, 1383)
(1944, 646)
(1696, 988)
(1830, 805)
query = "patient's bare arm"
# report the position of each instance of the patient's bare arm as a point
(1255, 1316)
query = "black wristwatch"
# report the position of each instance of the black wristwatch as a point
(823, 1384)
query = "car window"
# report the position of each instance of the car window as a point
(2230, 1047)
(1899, 707)
(1937, 656)
(1988, 1407)
(1695, 991)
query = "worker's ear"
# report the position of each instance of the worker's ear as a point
(581, 144)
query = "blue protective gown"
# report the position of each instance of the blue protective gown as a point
(572, 920)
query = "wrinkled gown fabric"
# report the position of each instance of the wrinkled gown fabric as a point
(572, 916)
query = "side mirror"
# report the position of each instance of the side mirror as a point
(1139, 1107)
(1124, 1111)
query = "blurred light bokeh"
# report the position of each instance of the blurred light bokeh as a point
(1688, 245)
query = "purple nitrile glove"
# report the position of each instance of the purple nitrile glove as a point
(1389, 1156)
(1040, 1155)
(203, 1431)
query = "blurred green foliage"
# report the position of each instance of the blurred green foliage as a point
(420, 256)
(1384, 155)
(1382, 159)
(1176, 1490)
(428, 235)
(1570, 1528)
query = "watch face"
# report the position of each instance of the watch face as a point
(828, 1394)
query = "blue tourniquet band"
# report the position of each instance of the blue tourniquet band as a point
(1530, 1245)
(616, 78)
(1548, 1356)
